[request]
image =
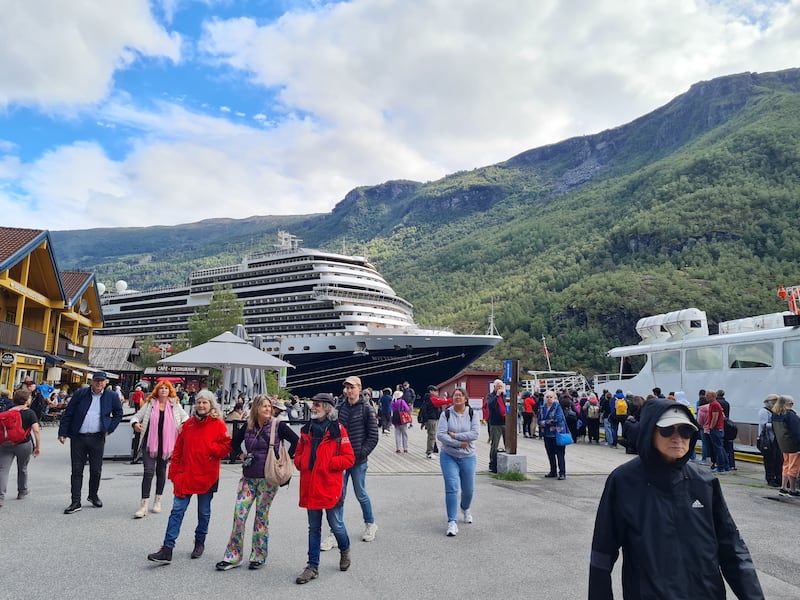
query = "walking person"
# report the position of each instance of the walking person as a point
(773, 457)
(528, 405)
(157, 423)
(323, 455)
(660, 496)
(358, 419)
(27, 426)
(716, 429)
(429, 414)
(93, 413)
(592, 410)
(386, 410)
(401, 414)
(457, 430)
(496, 416)
(786, 425)
(551, 422)
(194, 471)
(253, 487)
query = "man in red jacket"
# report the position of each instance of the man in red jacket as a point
(323, 454)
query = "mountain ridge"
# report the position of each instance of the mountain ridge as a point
(582, 234)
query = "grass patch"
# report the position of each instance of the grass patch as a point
(511, 476)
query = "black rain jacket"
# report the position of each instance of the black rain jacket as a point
(670, 519)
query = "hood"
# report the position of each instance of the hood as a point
(650, 414)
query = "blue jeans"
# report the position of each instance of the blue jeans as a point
(719, 451)
(359, 476)
(611, 431)
(179, 506)
(315, 532)
(459, 473)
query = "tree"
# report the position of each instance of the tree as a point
(223, 313)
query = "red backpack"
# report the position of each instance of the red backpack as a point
(11, 431)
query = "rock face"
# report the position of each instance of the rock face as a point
(706, 105)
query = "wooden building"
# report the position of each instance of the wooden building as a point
(47, 317)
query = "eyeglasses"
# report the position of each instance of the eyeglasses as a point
(685, 431)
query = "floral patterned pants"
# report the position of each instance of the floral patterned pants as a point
(251, 491)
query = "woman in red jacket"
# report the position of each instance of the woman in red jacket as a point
(201, 445)
(322, 456)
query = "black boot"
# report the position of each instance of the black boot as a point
(163, 556)
(198, 549)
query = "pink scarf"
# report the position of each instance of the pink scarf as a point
(170, 432)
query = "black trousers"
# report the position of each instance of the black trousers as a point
(773, 464)
(527, 419)
(83, 447)
(555, 452)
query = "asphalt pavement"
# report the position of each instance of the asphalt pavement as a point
(530, 539)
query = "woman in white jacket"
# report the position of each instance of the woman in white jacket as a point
(160, 419)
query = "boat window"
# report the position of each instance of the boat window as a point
(704, 359)
(667, 362)
(750, 356)
(791, 353)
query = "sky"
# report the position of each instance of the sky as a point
(134, 113)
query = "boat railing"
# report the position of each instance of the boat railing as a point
(602, 378)
(559, 382)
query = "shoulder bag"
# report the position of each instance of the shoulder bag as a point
(278, 468)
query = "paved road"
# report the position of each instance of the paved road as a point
(529, 539)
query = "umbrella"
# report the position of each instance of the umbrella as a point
(238, 380)
(225, 352)
(259, 383)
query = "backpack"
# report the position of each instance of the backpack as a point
(620, 407)
(11, 431)
(730, 431)
(447, 413)
(593, 412)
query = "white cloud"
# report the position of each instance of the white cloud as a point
(62, 53)
(366, 91)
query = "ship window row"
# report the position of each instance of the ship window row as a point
(238, 282)
(752, 355)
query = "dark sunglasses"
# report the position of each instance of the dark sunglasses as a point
(685, 431)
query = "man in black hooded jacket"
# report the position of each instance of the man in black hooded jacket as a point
(677, 536)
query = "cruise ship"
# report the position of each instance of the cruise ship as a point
(329, 315)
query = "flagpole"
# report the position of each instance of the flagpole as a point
(546, 354)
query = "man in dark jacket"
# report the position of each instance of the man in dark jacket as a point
(359, 419)
(496, 408)
(429, 418)
(660, 498)
(92, 414)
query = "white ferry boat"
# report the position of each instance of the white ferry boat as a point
(329, 315)
(749, 358)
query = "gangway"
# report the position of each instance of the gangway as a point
(559, 381)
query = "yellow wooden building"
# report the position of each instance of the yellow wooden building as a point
(47, 317)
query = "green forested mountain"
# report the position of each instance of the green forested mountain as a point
(694, 204)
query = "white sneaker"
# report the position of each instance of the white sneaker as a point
(452, 528)
(329, 543)
(467, 515)
(369, 532)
